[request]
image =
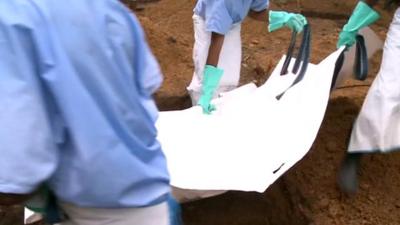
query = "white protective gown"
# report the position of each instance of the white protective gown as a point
(377, 128)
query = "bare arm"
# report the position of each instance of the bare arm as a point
(260, 16)
(217, 40)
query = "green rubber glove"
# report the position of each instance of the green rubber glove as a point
(362, 16)
(211, 77)
(279, 19)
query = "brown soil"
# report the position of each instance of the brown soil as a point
(11, 215)
(307, 193)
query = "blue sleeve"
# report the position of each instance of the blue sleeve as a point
(27, 154)
(218, 18)
(259, 5)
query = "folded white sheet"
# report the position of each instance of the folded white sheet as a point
(252, 138)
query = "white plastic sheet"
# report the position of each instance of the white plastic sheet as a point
(252, 138)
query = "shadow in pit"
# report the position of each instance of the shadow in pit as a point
(273, 207)
(167, 103)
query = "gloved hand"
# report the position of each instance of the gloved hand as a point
(38, 202)
(211, 77)
(363, 15)
(44, 202)
(278, 19)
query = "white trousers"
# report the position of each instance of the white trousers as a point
(229, 59)
(153, 215)
(377, 128)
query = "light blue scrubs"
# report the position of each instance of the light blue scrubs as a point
(220, 15)
(76, 107)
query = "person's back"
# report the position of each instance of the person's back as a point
(77, 107)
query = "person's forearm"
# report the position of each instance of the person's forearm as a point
(371, 3)
(260, 16)
(13, 199)
(217, 40)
